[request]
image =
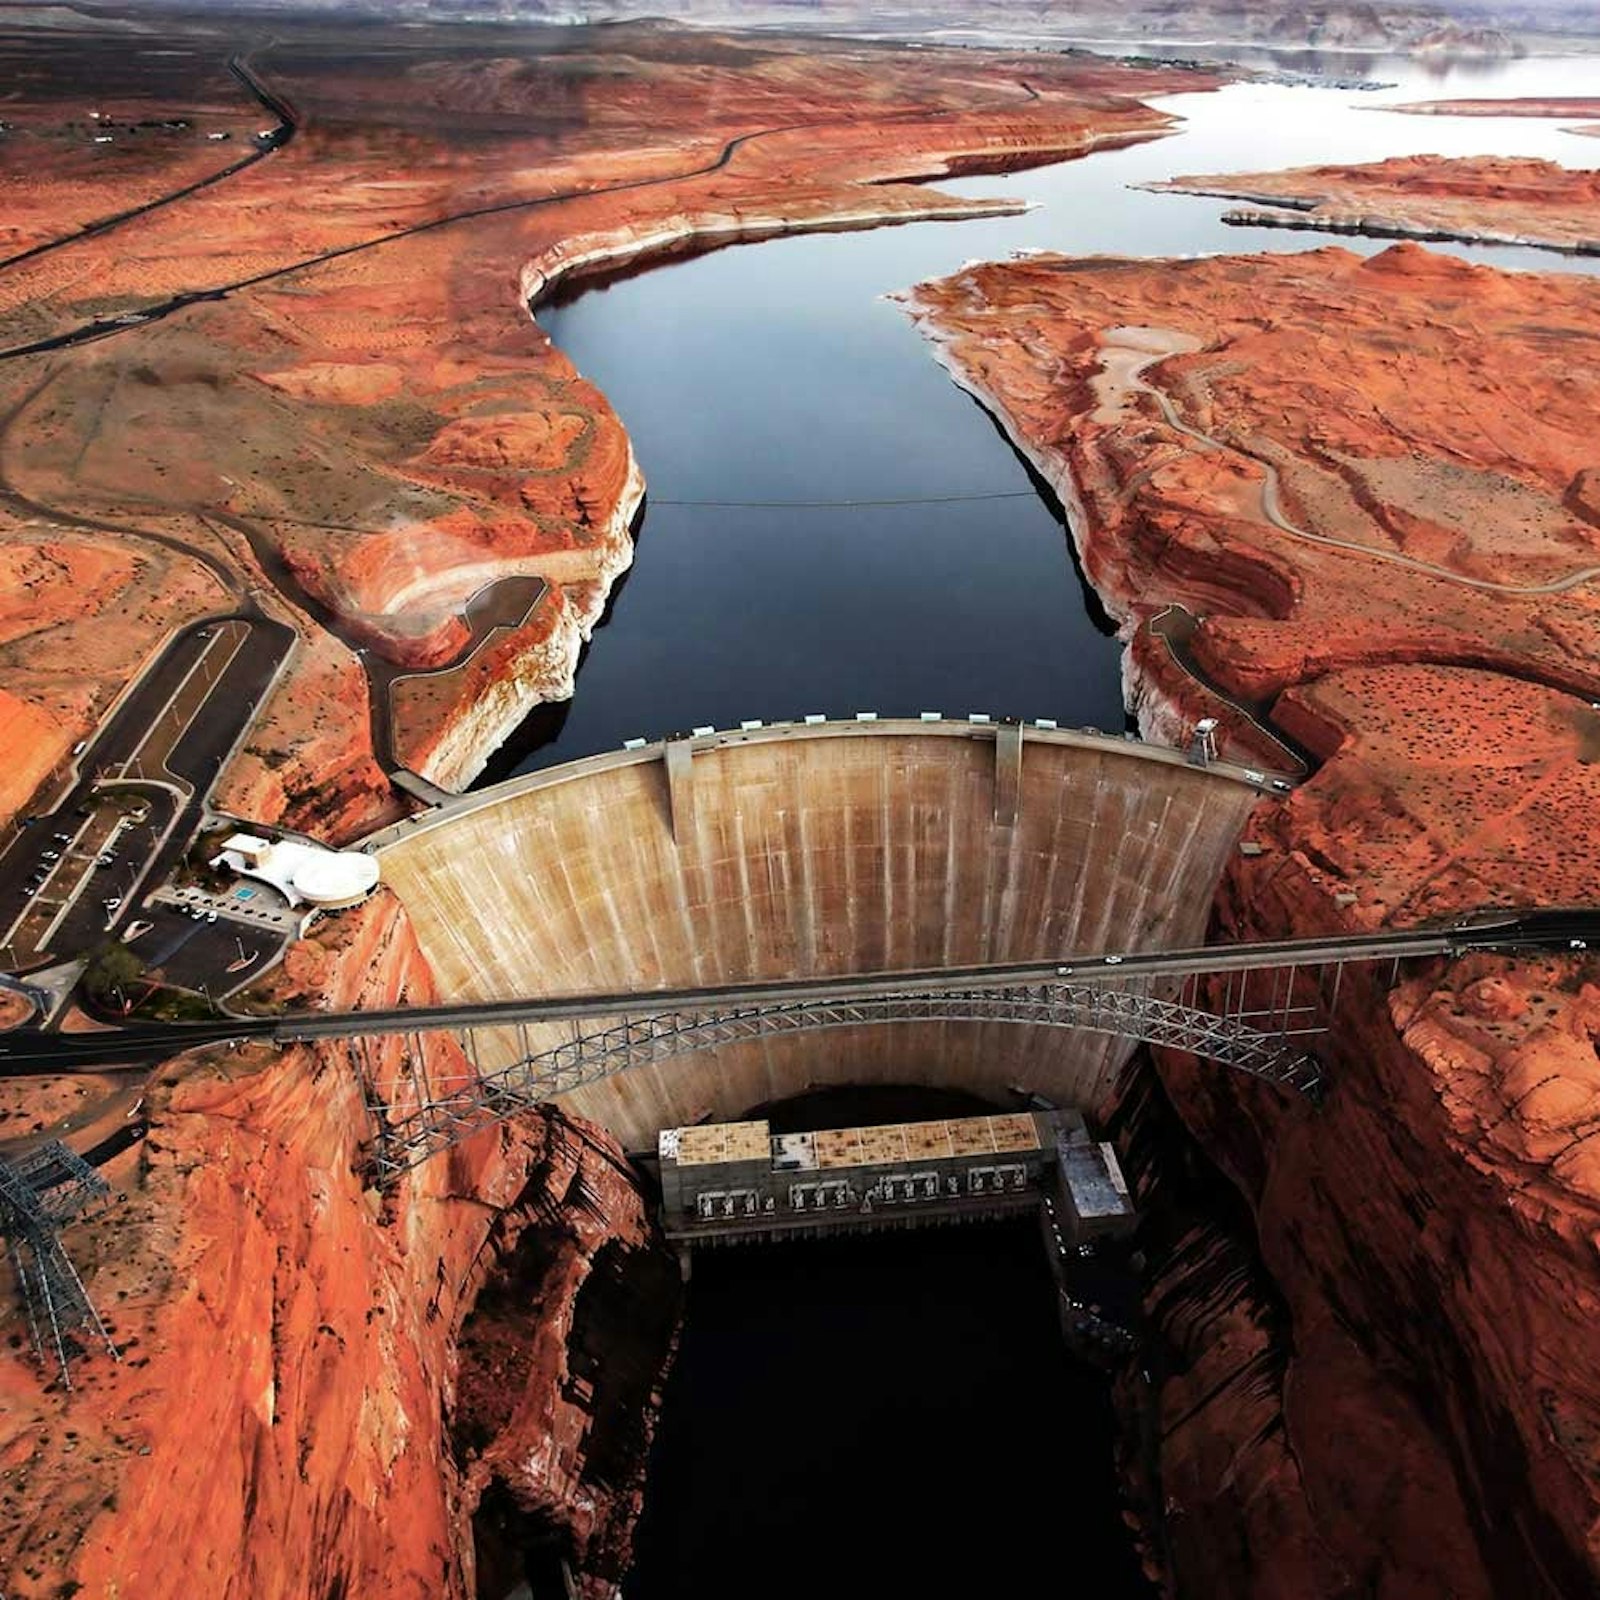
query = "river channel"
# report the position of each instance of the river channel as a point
(832, 526)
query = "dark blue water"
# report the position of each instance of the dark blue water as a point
(882, 1417)
(778, 372)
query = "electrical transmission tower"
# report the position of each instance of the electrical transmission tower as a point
(39, 1194)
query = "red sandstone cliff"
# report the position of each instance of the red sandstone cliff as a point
(1309, 453)
(293, 1415)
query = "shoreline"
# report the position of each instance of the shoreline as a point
(1380, 227)
(467, 738)
(1163, 709)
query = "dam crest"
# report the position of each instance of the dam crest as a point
(810, 850)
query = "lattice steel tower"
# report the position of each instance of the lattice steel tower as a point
(39, 1194)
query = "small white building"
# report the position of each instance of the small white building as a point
(303, 873)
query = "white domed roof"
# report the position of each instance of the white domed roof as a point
(333, 877)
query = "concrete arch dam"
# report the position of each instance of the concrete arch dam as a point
(818, 850)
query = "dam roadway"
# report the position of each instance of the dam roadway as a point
(962, 903)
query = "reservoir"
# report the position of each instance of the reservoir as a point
(832, 526)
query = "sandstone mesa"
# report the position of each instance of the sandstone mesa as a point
(1524, 106)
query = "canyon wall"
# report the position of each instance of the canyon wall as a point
(314, 386)
(316, 1390)
(1306, 452)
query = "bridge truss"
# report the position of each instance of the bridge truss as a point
(1257, 1029)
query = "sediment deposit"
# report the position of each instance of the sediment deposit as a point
(1480, 199)
(1311, 454)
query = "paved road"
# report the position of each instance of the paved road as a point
(1271, 509)
(1175, 627)
(92, 331)
(29, 1051)
(274, 139)
(164, 745)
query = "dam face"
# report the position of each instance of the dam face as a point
(799, 851)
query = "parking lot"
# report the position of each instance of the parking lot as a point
(211, 944)
(81, 865)
(160, 751)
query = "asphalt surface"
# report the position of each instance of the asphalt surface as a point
(211, 956)
(175, 727)
(28, 1051)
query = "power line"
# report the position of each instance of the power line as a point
(845, 505)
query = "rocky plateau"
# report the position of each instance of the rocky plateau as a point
(1310, 454)
(1481, 200)
(1524, 106)
(345, 323)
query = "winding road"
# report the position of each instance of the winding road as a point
(274, 139)
(1270, 505)
(98, 329)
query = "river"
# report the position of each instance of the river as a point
(832, 526)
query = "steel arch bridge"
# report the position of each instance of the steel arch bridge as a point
(437, 1113)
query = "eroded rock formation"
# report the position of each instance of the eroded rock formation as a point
(1309, 453)
(1481, 199)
